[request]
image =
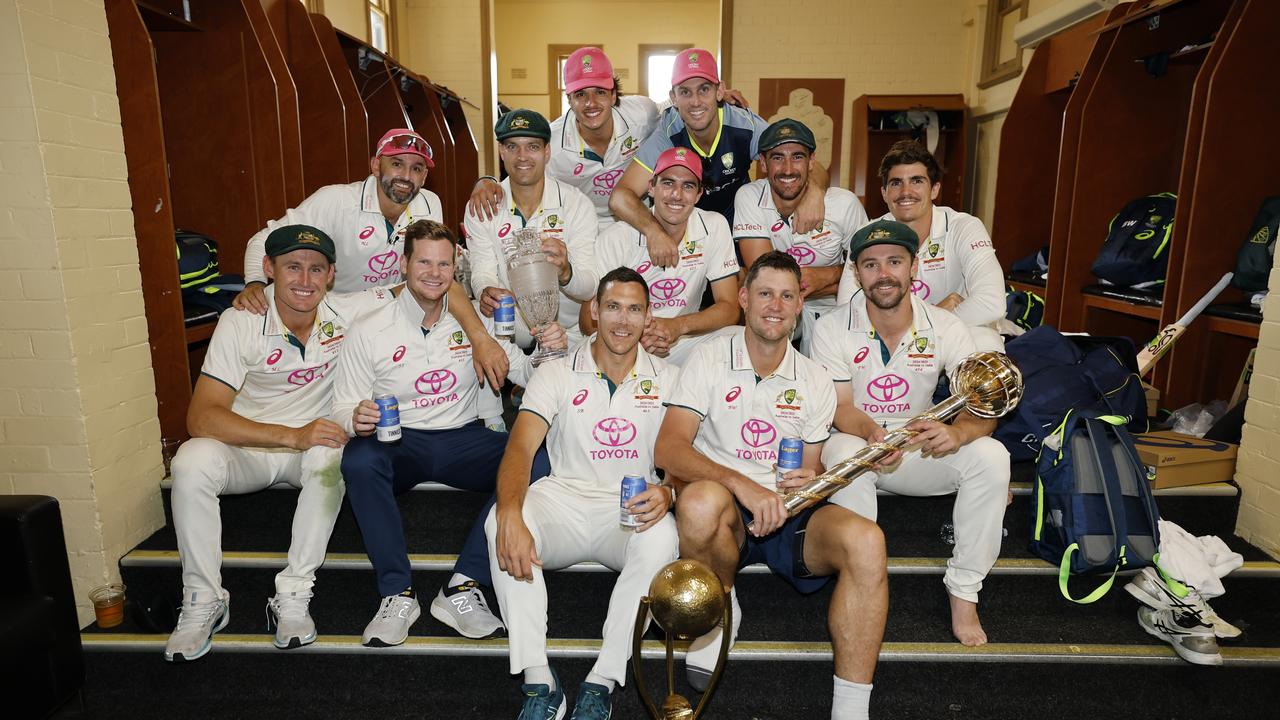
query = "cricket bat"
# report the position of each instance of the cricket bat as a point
(1160, 344)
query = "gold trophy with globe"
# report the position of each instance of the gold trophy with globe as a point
(535, 285)
(687, 600)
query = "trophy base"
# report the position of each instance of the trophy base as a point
(542, 354)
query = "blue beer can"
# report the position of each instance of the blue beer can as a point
(790, 456)
(632, 485)
(504, 318)
(389, 418)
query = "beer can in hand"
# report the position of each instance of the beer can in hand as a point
(388, 418)
(790, 457)
(504, 318)
(632, 485)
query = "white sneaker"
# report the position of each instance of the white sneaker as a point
(391, 625)
(705, 651)
(1151, 590)
(193, 637)
(463, 608)
(294, 626)
(1190, 638)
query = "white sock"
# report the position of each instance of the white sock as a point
(540, 675)
(851, 700)
(592, 677)
(458, 579)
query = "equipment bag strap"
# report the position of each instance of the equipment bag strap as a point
(1100, 431)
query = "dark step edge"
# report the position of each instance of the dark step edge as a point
(743, 651)
(431, 562)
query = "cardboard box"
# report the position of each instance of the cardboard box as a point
(1174, 459)
(1153, 400)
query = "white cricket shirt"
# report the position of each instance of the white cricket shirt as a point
(573, 162)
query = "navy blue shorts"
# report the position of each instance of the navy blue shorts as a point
(783, 551)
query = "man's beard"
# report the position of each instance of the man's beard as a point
(886, 305)
(397, 198)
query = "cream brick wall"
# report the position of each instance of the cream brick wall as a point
(77, 398)
(1258, 467)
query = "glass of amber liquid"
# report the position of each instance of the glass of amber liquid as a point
(108, 604)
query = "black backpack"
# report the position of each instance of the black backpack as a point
(1023, 308)
(1135, 253)
(1254, 261)
(197, 259)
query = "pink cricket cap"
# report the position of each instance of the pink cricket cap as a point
(403, 141)
(587, 67)
(694, 63)
(679, 157)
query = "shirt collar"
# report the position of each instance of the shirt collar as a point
(859, 320)
(571, 139)
(412, 313)
(552, 196)
(418, 205)
(739, 359)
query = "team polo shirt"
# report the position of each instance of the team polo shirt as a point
(898, 388)
(368, 246)
(706, 255)
(744, 417)
(599, 433)
(958, 258)
(564, 213)
(756, 216)
(573, 161)
(279, 378)
(726, 165)
(430, 373)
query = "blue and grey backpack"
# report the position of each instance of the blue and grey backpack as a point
(1093, 511)
(1135, 251)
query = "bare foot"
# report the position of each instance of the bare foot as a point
(964, 622)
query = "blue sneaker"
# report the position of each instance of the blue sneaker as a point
(595, 702)
(541, 703)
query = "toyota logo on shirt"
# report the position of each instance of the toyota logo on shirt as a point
(306, 376)
(614, 432)
(607, 180)
(888, 387)
(667, 288)
(434, 382)
(383, 263)
(920, 289)
(758, 433)
(803, 254)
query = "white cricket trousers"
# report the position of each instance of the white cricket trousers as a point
(568, 528)
(203, 469)
(978, 473)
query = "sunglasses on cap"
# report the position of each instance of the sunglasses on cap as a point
(406, 142)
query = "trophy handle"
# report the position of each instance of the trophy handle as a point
(637, 665)
(720, 661)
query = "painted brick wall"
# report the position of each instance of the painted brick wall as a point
(1258, 466)
(77, 398)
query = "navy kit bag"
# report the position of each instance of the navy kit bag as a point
(197, 259)
(1062, 374)
(1257, 255)
(1093, 508)
(1023, 308)
(1135, 253)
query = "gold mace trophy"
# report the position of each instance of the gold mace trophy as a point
(687, 600)
(987, 384)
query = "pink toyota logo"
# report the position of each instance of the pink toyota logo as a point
(607, 180)
(803, 254)
(614, 432)
(758, 433)
(379, 264)
(862, 354)
(580, 398)
(888, 388)
(434, 382)
(920, 289)
(306, 376)
(777, 226)
(667, 288)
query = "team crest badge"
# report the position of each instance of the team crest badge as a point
(327, 327)
(626, 144)
(1262, 237)
(789, 395)
(586, 63)
(921, 344)
(878, 234)
(690, 246)
(646, 386)
(693, 58)
(520, 123)
(553, 220)
(308, 237)
(933, 249)
(457, 337)
(727, 160)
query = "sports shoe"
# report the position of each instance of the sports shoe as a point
(595, 702)
(541, 702)
(1190, 638)
(294, 626)
(1151, 590)
(463, 608)
(193, 637)
(391, 625)
(705, 651)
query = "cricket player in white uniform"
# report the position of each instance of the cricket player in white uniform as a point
(367, 221)
(765, 212)
(561, 214)
(676, 326)
(258, 416)
(599, 409)
(415, 350)
(958, 266)
(737, 398)
(886, 350)
(591, 144)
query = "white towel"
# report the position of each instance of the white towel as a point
(1200, 562)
